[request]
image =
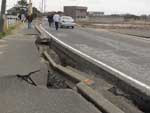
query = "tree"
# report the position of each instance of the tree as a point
(22, 6)
(144, 17)
(22, 3)
(130, 16)
(36, 12)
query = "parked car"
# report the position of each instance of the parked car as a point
(67, 21)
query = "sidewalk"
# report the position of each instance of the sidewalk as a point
(19, 56)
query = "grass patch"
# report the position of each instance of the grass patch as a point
(9, 31)
(3, 34)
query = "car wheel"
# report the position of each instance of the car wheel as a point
(72, 27)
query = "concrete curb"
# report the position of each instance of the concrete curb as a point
(97, 99)
(38, 29)
(75, 77)
(52, 63)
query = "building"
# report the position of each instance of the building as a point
(76, 12)
(95, 14)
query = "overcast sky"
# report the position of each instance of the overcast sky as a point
(108, 6)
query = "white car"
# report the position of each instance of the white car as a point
(66, 21)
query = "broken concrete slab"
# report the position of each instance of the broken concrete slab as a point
(19, 97)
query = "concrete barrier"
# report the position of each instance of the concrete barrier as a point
(97, 99)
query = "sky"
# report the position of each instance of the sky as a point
(137, 7)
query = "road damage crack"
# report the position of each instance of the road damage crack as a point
(28, 78)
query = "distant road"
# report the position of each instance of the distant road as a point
(128, 54)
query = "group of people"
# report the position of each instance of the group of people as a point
(25, 17)
(54, 18)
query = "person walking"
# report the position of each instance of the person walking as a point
(19, 16)
(50, 20)
(23, 18)
(30, 19)
(56, 19)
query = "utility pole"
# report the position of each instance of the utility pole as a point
(30, 7)
(43, 6)
(2, 16)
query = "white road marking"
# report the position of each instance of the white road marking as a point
(99, 62)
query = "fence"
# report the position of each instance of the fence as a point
(11, 20)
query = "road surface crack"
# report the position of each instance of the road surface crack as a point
(28, 78)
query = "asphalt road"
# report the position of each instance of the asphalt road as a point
(128, 54)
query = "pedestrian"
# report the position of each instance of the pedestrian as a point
(29, 19)
(50, 20)
(19, 16)
(56, 19)
(23, 18)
